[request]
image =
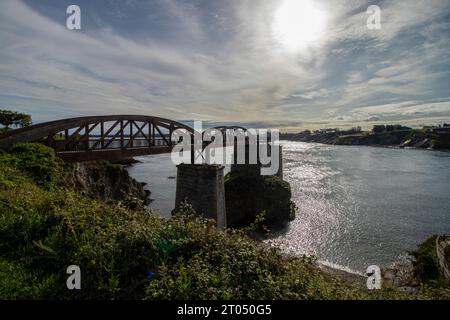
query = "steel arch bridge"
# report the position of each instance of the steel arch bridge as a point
(100, 137)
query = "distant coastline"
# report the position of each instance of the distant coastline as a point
(380, 136)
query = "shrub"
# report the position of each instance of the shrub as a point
(112, 167)
(37, 160)
(427, 265)
(16, 119)
(18, 283)
(42, 231)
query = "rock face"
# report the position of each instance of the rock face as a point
(248, 196)
(105, 181)
(402, 276)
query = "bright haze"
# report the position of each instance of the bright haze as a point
(277, 63)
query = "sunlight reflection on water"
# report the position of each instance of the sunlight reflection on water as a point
(359, 206)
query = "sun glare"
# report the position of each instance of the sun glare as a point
(298, 24)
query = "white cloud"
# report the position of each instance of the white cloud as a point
(315, 94)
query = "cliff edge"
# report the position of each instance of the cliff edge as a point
(105, 181)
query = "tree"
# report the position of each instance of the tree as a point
(356, 129)
(10, 118)
(379, 128)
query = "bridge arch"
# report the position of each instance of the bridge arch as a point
(100, 137)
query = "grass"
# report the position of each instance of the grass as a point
(134, 254)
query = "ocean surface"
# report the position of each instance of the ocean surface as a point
(357, 206)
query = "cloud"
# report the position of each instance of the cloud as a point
(220, 61)
(102, 72)
(320, 93)
(405, 110)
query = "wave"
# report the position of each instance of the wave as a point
(335, 266)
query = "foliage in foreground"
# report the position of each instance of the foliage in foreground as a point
(133, 254)
(427, 265)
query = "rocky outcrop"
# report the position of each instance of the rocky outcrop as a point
(249, 196)
(126, 161)
(402, 276)
(106, 181)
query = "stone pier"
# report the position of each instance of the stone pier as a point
(251, 170)
(280, 161)
(202, 186)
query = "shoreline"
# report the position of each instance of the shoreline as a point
(395, 147)
(380, 136)
(350, 277)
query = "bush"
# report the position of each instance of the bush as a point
(18, 283)
(10, 118)
(111, 167)
(427, 265)
(37, 160)
(42, 231)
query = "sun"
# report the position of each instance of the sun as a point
(298, 24)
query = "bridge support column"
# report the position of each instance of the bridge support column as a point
(246, 169)
(203, 187)
(253, 170)
(280, 162)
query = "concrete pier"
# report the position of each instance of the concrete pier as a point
(203, 187)
(280, 161)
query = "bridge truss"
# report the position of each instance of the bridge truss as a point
(100, 137)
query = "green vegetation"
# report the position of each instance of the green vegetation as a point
(45, 226)
(38, 161)
(14, 119)
(110, 166)
(427, 265)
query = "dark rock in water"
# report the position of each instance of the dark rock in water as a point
(248, 196)
(147, 198)
(126, 161)
(171, 177)
(105, 181)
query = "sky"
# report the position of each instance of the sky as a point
(274, 63)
